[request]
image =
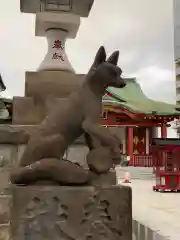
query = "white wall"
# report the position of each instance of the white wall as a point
(171, 133)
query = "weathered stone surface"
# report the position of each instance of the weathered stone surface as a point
(4, 181)
(27, 110)
(99, 160)
(20, 134)
(4, 209)
(40, 86)
(11, 134)
(71, 213)
(56, 83)
(8, 155)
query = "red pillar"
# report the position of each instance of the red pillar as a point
(164, 131)
(130, 144)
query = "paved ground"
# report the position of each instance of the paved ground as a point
(135, 173)
(158, 211)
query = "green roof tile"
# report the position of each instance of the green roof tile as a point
(132, 98)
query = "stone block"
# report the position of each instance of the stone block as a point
(27, 110)
(8, 155)
(12, 134)
(71, 213)
(56, 83)
(47, 20)
(4, 209)
(4, 181)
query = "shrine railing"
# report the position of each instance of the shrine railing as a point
(141, 161)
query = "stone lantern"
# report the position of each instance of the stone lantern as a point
(56, 20)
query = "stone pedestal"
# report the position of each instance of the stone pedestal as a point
(71, 213)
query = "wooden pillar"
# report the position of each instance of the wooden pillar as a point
(130, 143)
(163, 131)
(147, 141)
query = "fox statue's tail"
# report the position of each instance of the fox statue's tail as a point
(62, 172)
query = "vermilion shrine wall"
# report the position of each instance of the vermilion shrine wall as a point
(138, 140)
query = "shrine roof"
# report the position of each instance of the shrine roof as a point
(133, 99)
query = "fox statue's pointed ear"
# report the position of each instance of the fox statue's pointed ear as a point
(100, 56)
(113, 59)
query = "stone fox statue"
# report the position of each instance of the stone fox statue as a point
(79, 114)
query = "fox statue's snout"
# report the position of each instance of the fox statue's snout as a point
(114, 78)
(122, 85)
(119, 83)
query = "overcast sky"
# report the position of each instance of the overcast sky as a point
(141, 29)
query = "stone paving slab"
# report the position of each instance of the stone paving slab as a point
(158, 211)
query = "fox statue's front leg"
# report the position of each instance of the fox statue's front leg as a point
(104, 137)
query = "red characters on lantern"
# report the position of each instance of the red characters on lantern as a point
(58, 45)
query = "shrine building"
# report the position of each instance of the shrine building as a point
(134, 118)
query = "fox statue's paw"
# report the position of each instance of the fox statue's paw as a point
(99, 160)
(61, 172)
(117, 158)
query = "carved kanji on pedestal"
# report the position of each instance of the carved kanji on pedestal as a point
(53, 214)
